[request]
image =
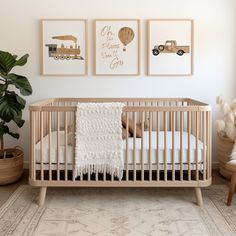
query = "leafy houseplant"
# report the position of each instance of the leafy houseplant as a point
(11, 103)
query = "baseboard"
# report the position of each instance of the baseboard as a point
(215, 165)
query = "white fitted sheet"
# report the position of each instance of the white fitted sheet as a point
(153, 156)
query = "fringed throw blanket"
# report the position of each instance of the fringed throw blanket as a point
(99, 139)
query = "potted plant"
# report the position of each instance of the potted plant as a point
(11, 106)
(226, 131)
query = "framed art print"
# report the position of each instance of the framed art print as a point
(64, 45)
(117, 47)
(170, 47)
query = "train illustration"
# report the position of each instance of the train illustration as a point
(63, 52)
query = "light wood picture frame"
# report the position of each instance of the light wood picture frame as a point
(170, 47)
(117, 47)
(64, 47)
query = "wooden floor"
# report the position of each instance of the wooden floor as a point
(6, 191)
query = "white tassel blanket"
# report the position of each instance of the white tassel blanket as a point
(99, 146)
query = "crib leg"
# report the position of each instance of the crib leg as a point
(198, 193)
(42, 195)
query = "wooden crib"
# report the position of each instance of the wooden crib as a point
(167, 143)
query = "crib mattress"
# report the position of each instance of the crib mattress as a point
(153, 156)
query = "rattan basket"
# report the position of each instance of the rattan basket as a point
(11, 169)
(225, 146)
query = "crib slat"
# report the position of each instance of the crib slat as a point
(134, 146)
(49, 143)
(173, 145)
(142, 146)
(145, 114)
(65, 141)
(33, 163)
(210, 142)
(208, 145)
(127, 147)
(150, 146)
(197, 132)
(183, 117)
(73, 145)
(189, 145)
(58, 145)
(204, 145)
(169, 116)
(157, 147)
(112, 174)
(176, 118)
(165, 146)
(73, 116)
(104, 175)
(181, 146)
(41, 145)
(200, 125)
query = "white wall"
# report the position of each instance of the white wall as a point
(214, 59)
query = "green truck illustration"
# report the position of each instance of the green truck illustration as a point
(170, 47)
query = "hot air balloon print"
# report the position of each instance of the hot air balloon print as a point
(126, 35)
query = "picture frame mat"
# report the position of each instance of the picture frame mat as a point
(86, 46)
(138, 51)
(191, 21)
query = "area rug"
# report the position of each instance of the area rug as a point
(118, 211)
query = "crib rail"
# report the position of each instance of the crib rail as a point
(170, 129)
(59, 103)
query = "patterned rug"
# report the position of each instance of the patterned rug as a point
(117, 211)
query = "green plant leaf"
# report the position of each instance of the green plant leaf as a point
(10, 108)
(14, 135)
(22, 83)
(2, 71)
(3, 88)
(19, 99)
(3, 129)
(19, 121)
(4, 77)
(22, 61)
(11, 104)
(7, 62)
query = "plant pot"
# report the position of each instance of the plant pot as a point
(11, 167)
(225, 146)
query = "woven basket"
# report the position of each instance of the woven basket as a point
(11, 169)
(225, 146)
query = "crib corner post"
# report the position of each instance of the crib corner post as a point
(42, 196)
(198, 193)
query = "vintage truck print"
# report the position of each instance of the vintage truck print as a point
(170, 47)
(63, 52)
